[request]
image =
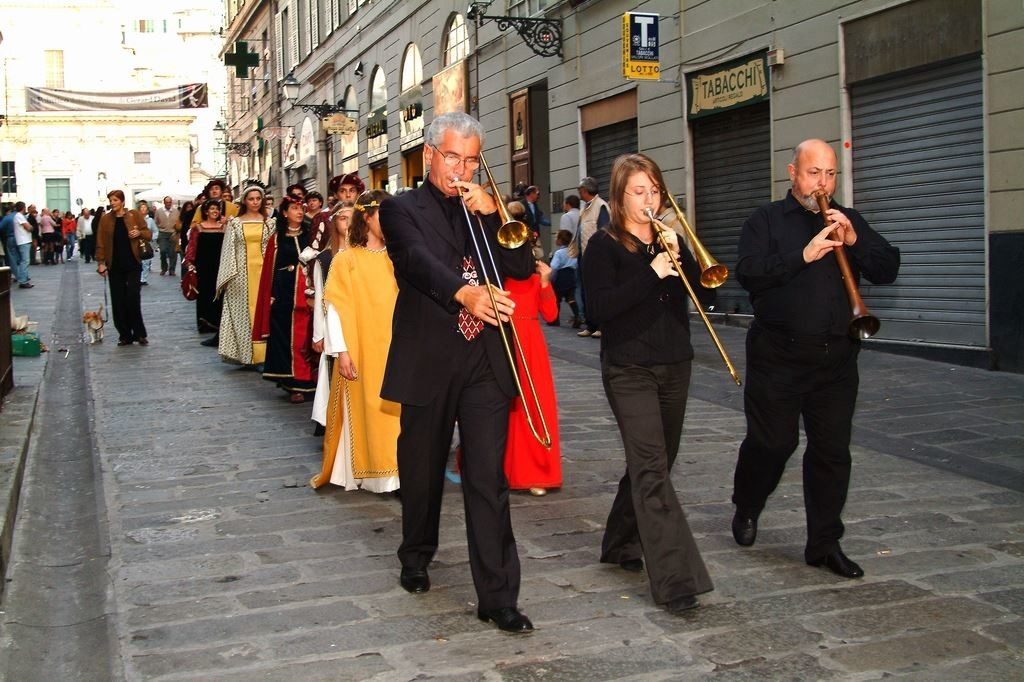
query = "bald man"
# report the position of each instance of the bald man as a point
(801, 362)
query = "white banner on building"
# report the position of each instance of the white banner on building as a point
(191, 96)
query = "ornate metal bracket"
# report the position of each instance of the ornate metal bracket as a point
(543, 36)
(324, 109)
(243, 148)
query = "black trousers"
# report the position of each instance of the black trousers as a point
(87, 247)
(789, 378)
(646, 518)
(473, 398)
(126, 303)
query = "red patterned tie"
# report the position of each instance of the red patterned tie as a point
(470, 325)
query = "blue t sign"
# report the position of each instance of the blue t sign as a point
(643, 38)
(640, 55)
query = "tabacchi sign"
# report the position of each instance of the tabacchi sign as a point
(640, 57)
(731, 85)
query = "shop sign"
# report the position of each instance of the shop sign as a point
(377, 134)
(340, 124)
(728, 86)
(307, 140)
(640, 48)
(377, 122)
(450, 88)
(411, 117)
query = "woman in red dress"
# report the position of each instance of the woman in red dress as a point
(528, 464)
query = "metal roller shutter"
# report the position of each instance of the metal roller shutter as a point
(732, 159)
(604, 144)
(918, 179)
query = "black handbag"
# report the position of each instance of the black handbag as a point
(145, 249)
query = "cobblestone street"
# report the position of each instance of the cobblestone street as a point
(224, 564)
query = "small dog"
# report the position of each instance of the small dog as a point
(93, 321)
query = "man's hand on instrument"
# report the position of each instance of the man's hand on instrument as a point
(662, 264)
(820, 245)
(477, 301)
(842, 225)
(477, 199)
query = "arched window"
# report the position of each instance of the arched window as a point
(412, 67)
(349, 147)
(456, 40)
(378, 89)
(350, 102)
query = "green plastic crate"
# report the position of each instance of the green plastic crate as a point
(26, 344)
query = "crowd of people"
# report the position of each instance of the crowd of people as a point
(33, 236)
(391, 317)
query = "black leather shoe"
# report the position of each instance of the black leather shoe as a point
(744, 528)
(632, 565)
(210, 342)
(415, 580)
(839, 563)
(677, 606)
(507, 618)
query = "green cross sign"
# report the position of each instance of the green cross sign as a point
(242, 59)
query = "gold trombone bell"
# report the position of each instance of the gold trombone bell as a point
(712, 273)
(513, 233)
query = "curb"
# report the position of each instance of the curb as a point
(19, 413)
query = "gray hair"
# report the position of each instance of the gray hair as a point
(590, 184)
(458, 122)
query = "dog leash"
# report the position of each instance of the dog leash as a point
(106, 304)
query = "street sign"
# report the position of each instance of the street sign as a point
(640, 47)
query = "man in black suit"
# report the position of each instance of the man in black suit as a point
(446, 363)
(534, 213)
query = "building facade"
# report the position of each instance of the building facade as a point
(69, 132)
(920, 98)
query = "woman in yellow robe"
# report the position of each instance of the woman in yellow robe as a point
(360, 446)
(238, 280)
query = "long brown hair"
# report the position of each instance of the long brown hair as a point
(334, 239)
(625, 166)
(366, 205)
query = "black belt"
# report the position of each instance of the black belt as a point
(818, 340)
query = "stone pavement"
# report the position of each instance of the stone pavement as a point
(225, 565)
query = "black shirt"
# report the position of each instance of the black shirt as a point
(122, 257)
(805, 299)
(450, 205)
(644, 320)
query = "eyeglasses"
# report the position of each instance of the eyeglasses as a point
(451, 159)
(653, 193)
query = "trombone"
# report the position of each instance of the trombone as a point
(711, 271)
(512, 234)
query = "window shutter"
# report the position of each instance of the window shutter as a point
(293, 35)
(332, 18)
(279, 47)
(314, 24)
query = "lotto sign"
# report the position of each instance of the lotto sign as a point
(640, 59)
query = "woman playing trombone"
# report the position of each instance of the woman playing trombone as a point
(634, 292)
